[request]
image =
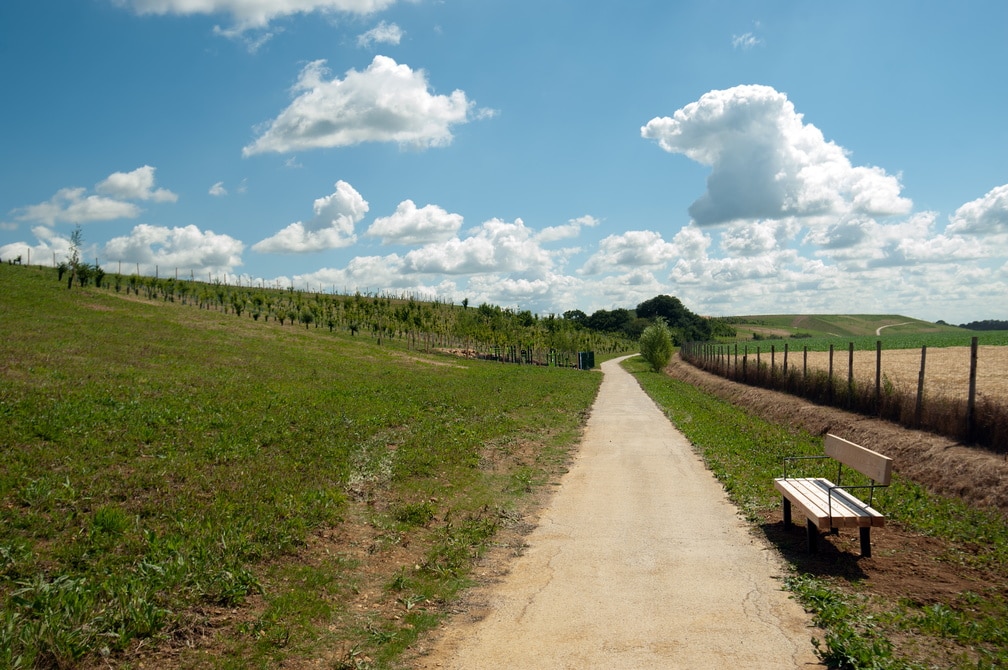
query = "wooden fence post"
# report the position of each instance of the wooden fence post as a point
(878, 376)
(850, 375)
(785, 358)
(919, 410)
(971, 402)
(829, 383)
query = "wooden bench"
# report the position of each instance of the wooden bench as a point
(828, 506)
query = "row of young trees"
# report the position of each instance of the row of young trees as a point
(486, 331)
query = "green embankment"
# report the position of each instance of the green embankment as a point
(163, 462)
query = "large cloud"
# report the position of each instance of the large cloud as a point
(387, 102)
(496, 246)
(186, 248)
(632, 249)
(254, 13)
(332, 226)
(72, 205)
(413, 226)
(767, 163)
(112, 201)
(985, 215)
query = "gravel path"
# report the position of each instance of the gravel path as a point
(639, 561)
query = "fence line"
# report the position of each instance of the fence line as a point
(982, 421)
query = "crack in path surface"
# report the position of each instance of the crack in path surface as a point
(639, 561)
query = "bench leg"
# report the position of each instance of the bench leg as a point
(866, 541)
(787, 512)
(813, 536)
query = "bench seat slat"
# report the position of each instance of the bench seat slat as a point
(811, 496)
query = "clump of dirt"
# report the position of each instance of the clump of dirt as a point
(940, 464)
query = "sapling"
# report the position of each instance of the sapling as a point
(656, 344)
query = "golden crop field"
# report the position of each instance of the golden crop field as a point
(946, 370)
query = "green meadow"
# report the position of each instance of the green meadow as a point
(162, 463)
(818, 332)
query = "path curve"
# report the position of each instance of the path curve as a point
(639, 561)
(878, 331)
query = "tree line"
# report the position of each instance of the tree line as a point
(486, 330)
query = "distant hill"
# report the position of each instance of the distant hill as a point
(769, 326)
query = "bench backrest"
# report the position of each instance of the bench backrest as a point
(870, 463)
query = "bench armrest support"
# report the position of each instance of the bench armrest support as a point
(871, 493)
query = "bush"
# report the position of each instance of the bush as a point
(656, 344)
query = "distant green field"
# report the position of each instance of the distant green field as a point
(867, 343)
(818, 332)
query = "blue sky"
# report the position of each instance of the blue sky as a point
(746, 157)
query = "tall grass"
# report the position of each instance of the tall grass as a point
(158, 459)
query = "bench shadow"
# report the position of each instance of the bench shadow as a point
(828, 561)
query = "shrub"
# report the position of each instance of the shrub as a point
(656, 344)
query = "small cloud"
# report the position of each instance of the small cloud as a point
(570, 230)
(254, 40)
(332, 226)
(292, 163)
(218, 189)
(135, 185)
(383, 33)
(412, 225)
(250, 14)
(746, 41)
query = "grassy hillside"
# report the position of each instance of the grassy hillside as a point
(834, 325)
(231, 493)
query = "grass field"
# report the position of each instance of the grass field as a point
(184, 483)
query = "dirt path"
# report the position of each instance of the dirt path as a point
(639, 561)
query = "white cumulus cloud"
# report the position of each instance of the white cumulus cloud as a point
(72, 205)
(410, 225)
(632, 249)
(767, 163)
(985, 215)
(184, 248)
(496, 246)
(567, 231)
(332, 226)
(254, 13)
(387, 102)
(135, 185)
(383, 33)
(110, 202)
